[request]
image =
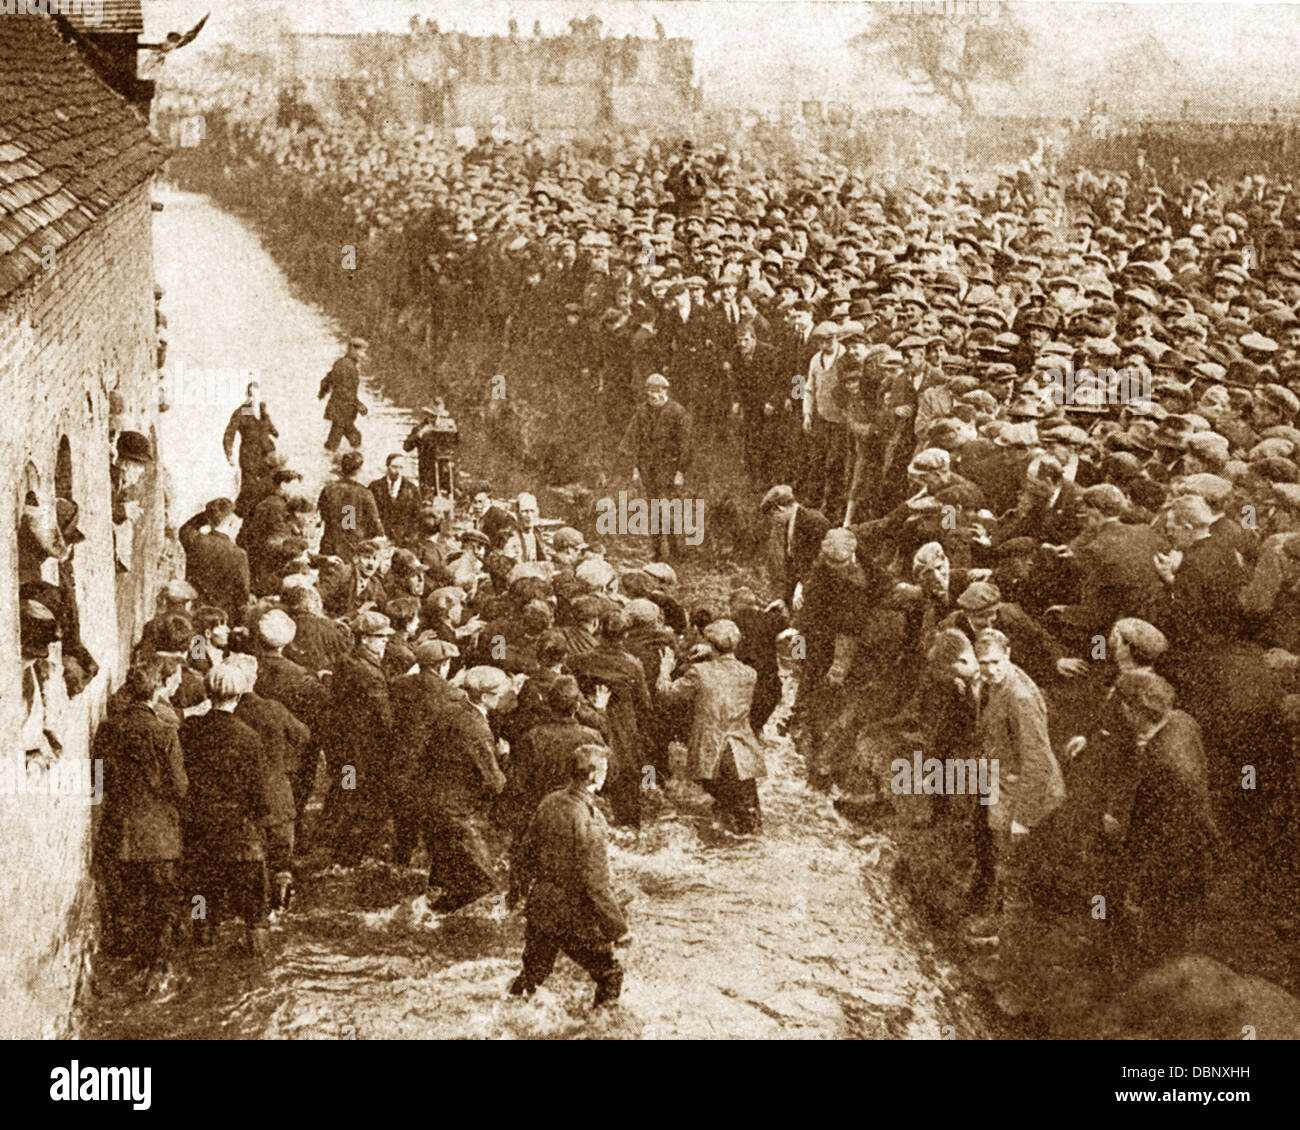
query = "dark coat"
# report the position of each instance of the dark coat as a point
(401, 515)
(757, 649)
(349, 516)
(320, 643)
(268, 522)
(362, 717)
(796, 556)
(340, 595)
(1171, 830)
(284, 739)
(561, 864)
(629, 712)
(759, 380)
(296, 688)
(341, 385)
(216, 567)
(256, 434)
(227, 801)
(1118, 576)
(144, 784)
(1203, 607)
(658, 440)
(460, 764)
(539, 766)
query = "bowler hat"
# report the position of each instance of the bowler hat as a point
(134, 446)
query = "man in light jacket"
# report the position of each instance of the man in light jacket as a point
(724, 755)
(1013, 735)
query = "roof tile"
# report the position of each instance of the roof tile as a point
(69, 146)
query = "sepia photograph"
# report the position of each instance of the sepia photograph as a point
(649, 520)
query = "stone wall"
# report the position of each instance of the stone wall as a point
(73, 332)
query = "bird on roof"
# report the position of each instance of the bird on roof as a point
(175, 40)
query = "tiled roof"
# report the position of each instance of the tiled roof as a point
(70, 147)
(106, 15)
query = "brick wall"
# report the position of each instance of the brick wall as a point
(67, 337)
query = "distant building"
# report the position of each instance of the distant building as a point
(77, 335)
(580, 81)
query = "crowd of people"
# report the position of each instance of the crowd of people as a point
(1026, 445)
(467, 686)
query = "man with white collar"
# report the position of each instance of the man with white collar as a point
(823, 419)
(526, 543)
(800, 530)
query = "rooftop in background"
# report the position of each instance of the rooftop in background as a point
(114, 16)
(70, 148)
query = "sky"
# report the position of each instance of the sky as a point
(1142, 58)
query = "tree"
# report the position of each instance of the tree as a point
(947, 51)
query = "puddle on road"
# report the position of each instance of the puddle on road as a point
(791, 934)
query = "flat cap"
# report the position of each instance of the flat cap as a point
(641, 611)
(1280, 397)
(179, 590)
(778, 497)
(656, 380)
(979, 597)
(723, 634)
(486, 680)
(595, 572)
(276, 628)
(374, 624)
(839, 545)
(566, 537)
(661, 571)
(225, 680)
(433, 652)
(1146, 639)
(933, 460)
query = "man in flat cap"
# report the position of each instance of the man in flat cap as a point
(463, 779)
(300, 691)
(341, 385)
(981, 608)
(359, 744)
(723, 754)
(226, 805)
(214, 564)
(658, 441)
(797, 533)
(825, 429)
(561, 869)
(418, 700)
(1168, 850)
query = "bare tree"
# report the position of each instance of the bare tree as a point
(947, 51)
